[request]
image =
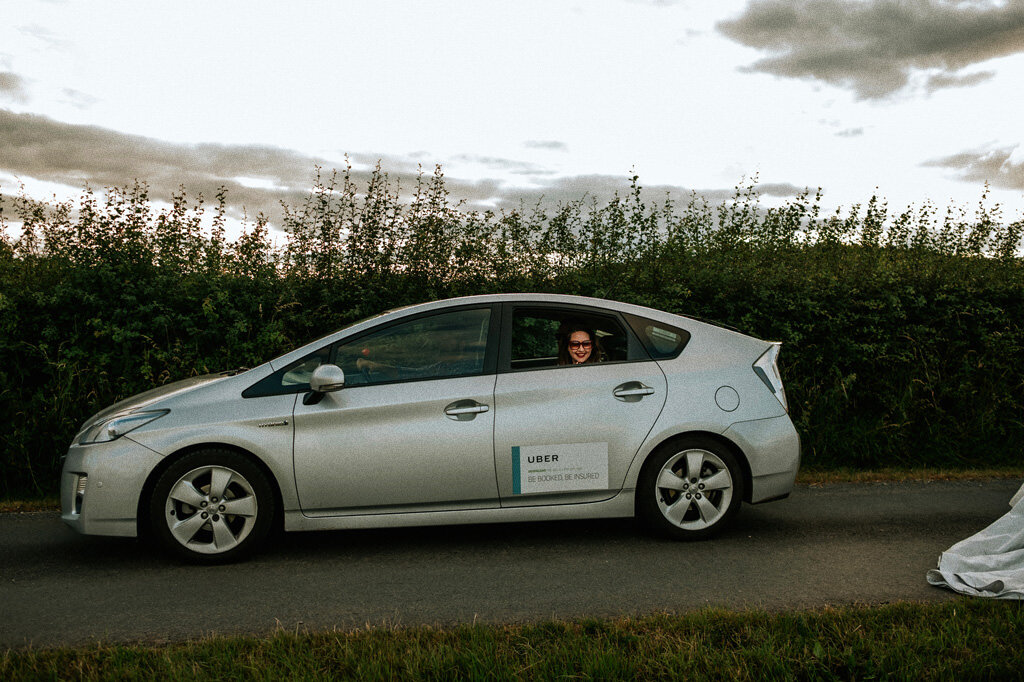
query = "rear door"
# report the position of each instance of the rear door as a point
(567, 433)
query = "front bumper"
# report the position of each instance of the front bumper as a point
(106, 502)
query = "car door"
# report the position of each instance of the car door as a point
(412, 430)
(567, 433)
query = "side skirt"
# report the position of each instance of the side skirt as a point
(619, 506)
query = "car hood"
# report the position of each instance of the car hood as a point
(154, 395)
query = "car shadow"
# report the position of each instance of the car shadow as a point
(574, 536)
(62, 547)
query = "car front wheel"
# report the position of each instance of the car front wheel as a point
(690, 489)
(212, 506)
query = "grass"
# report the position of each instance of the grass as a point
(48, 503)
(813, 479)
(955, 640)
(893, 475)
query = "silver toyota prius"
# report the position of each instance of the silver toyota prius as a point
(516, 407)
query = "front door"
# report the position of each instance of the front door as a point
(413, 428)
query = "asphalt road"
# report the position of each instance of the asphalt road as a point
(841, 544)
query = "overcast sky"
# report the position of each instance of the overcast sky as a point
(517, 100)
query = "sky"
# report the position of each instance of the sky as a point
(526, 101)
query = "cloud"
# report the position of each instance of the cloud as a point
(79, 100)
(8, 201)
(942, 80)
(259, 177)
(12, 87)
(553, 145)
(691, 34)
(875, 46)
(999, 167)
(45, 36)
(655, 3)
(76, 155)
(602, 188)
(779, 189)
(499, 163)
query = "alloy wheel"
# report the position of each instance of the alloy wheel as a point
(694, 489)
(211, 509)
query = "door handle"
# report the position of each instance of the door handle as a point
(632, 391)
(461, 410)
(476, 409)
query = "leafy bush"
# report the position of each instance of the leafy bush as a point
(902, 333)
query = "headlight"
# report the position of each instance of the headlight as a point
(767, 368)
(118, 425)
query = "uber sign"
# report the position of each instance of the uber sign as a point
(558, 468)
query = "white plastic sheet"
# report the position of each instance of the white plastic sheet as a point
(989, 563)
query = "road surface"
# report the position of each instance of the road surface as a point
(835, 545)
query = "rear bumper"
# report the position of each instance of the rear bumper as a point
(773, 450)
(114, 474)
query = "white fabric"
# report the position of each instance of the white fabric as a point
(989, 563)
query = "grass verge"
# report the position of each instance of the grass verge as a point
(49, 503)
(923, 475)
(955, 640)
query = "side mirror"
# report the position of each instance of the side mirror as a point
(325, 379)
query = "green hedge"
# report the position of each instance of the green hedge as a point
(903, 334)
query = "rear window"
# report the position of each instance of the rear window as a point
(661, 340)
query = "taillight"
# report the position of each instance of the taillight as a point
(767, 367)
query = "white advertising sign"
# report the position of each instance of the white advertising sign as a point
(559, 468)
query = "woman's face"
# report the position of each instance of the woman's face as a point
(580, 346)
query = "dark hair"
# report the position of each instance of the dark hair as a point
(568, 330)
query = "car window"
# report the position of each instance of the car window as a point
(445, 345)
(662, 341)
(299, 373)
(536, 332)
(442, 345)
(292, 379)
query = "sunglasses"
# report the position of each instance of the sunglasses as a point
(579, 344)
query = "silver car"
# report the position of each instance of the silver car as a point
(517, 407)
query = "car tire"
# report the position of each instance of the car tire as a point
(690, 488)
(212, 506)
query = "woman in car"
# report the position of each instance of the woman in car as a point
(578, 345)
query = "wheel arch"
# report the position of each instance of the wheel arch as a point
(717, 437)
(166, 462)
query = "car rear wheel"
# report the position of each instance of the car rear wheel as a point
(690, 489)
(212, 506)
